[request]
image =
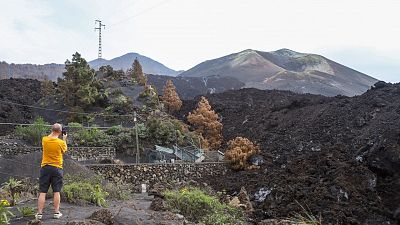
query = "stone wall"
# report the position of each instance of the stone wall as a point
(77, 153)
(150, 174)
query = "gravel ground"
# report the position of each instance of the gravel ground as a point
(132, 212)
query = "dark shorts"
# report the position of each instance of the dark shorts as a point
(50, 175)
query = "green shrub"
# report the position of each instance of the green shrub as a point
(150, 96)
(223, 217)
(117, 191)
(26, 211)
(74, 125)
(114, 191)
(164, 131)
(124, 138)
(75, 191)
(117, 130)
(92, 137)
(197, 206)
(168, 131)
(77, 115)
(114, 130)
(5, 215)
(143, 132)
(117, 92)
(14, 188)
(119, 102)
(33, 134)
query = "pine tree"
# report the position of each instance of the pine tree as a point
(170, 98)
(47, 87)
(137, 73)
(206, 122)
(78, 85)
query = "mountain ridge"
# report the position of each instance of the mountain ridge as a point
(285, 69)
(52, 71)
(125, 61)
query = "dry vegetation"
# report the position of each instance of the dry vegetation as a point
(239, 151)
(170, 98)
(206, 122)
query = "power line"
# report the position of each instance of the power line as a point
(119, 9)
(141, 12)
(23, 124)
(86, 127)
(66, 111)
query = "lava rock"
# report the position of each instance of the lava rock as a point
(34, 222)
(380, 84)
(396, 214)
(84, 222)
(245, 200)
(104, 216)
(256, 160)
(274, 222)
(158, 204)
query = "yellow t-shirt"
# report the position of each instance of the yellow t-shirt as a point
(53, 150)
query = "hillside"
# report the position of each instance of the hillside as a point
(190, 87)
(124, 62)
(337, 156)
(31, 71)
(286, 70)
(21, 91)
(52, 71)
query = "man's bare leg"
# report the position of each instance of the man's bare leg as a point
(56, 201)
(41, 201)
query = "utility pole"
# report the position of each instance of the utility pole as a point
(137, 138)
(99, 28)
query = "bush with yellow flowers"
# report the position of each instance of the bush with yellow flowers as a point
(5, 213)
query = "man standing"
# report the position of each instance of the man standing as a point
(51, 172)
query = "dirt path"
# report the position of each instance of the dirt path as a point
(131, 212)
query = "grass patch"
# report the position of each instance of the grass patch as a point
(14, 188)
(305, 217)
(75, 191)
(197, 206)
(26, 211)
(118, 192)
(92, 189)
(5, 214)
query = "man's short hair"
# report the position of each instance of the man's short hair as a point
(56, 127)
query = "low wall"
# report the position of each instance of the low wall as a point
(151, 174)
(77, 153)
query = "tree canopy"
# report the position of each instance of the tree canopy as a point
(137, 73)
(79, 85)
(170, 97)
(206, 122)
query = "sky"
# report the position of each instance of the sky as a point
(361, 34)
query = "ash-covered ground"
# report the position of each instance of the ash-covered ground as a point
(339, 157)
